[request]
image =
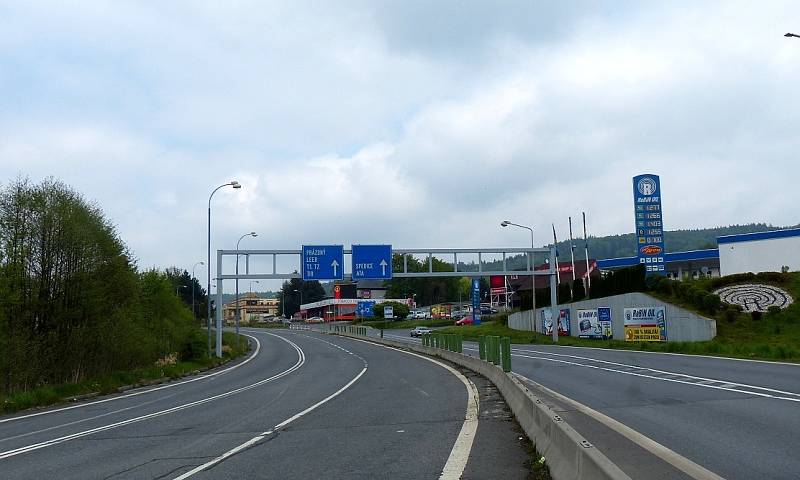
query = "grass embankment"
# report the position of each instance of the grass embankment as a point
(773, 336)
(385, 324)
(267, 325)
(117, 381)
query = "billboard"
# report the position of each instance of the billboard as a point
(595, 323)
(646, 324)
(649, 223)
(563, 322)
(497, 285)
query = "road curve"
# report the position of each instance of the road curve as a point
(739, 419)
(342, 408)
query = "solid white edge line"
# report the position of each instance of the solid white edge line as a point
(683, 382)
(666, 372)
(29, 448)
(689, 355)
(258, 438)
(678, 461)
(142, 392)
(459, 455)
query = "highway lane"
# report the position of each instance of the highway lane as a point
(380, 406)
(739, 419)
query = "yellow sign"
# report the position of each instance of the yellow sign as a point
(643, 334)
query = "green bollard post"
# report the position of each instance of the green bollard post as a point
(506, 354)
(496, 350)
(481, 348)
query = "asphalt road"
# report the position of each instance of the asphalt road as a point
(739, 419)
(305, 405)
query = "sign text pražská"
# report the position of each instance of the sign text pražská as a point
(323, 262)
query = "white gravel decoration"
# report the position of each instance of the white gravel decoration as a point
(754, 297)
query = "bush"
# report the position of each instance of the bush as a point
(756, 315)
(730, 314)
(774, 310)
(711, 303)
(399, 310)
(578, 291)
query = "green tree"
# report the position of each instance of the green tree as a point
(399, 310)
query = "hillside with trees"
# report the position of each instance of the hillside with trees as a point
(73, 305)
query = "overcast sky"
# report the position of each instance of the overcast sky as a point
(415, 123)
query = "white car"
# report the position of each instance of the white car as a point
(419, 331)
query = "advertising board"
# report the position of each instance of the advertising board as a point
(649, 223)
(595, 323)
(563, 322)
(645, 324)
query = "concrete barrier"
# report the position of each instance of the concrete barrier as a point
(568, 455)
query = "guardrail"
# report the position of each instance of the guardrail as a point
(351, 329)
(298, 327)
(569, 455)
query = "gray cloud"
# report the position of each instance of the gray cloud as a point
(401, 122)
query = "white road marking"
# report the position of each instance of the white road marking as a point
(459, 455)
(142, 392)
(682, 378)
(676, 460)
(277, 427)
(29, 448)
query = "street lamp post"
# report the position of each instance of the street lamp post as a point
(506, 223)
(194, 316)
(792, 35)
(233, 184)
(301, 301)
(178, 288)
(238, 309)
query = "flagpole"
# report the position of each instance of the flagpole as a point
(586, 249)
(555, 245)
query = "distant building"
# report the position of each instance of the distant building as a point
(252, 307)
(771, 251)
(679, 265)
(523, 282)
(760, 252)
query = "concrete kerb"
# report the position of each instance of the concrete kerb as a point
(567, 453)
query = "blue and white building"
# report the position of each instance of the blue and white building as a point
(760, 252)
(772, 251)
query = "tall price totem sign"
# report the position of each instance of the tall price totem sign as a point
(649, 223)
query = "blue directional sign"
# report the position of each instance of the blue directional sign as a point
(323, 262)
(372, 262)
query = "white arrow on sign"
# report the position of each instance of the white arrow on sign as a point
(334, 264)
(383, 267)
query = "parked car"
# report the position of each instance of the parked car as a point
(419, 331)
(315, 320)
(464, 321)
(419, 314)
(488, 310)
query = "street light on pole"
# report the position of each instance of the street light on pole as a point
(301, 302)
(194, 316)
(239, 310)
(792, 35)
(506, 223)
(233, 184)
(178, 288)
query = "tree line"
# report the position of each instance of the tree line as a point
(72, 303)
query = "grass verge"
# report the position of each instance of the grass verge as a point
(774, 337)
(267, 325)
(385, 324)
(118, 381)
